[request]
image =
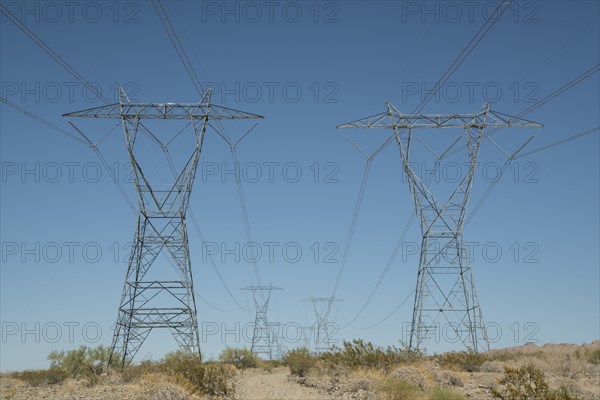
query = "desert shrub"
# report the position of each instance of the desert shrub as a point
(161, 387)
(84, 362)
(397, 389)
(562, 394)
(241, 358)
(134, 372)
(299, 361)
(462, 361)
(528, 383)
(593, 356)
(186, 367)
(41, 377)
(566, 365)
(364, 354)
(412, 375)
(186, 370)
(218, 380)
(523, 383)
(268, 365)
(444, 394)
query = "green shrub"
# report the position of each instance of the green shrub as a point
(524, 383)
(462, 361)
(299, 361)
(134, 372)
(397, 389)
(41, 377)
(241, 358)
(528, 383)
(364, 354)
(218, 380)
(186, 369)
(84, 362)
(444, 394)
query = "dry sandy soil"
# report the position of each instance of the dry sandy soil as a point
(582, 379)
(252, 384)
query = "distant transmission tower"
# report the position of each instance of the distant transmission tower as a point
(275, 335)
(151, 300)
(322, 307)
(445, 291)
(261, 337)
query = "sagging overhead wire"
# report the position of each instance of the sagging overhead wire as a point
(467, 50)
(85, 140)
(50, 52)
(107, 168)
(181, 53)
(490, 188)
(173, 37)
(44, 122)
(562, 89)
(240, 191)
(559, 142)
(580, 78)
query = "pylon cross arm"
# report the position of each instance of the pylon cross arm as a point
(392, 119)
(174, 111)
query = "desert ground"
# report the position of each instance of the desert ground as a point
(570, 372)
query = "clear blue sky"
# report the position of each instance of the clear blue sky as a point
(346, 59)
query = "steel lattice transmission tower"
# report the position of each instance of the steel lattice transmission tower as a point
(261, 337)
(150, 300)
(445, 291)
(322, 307)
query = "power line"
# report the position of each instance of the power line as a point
(221, 130)
(50, 52)
(106, 167)
(490, 188)
(94, 146)
(359, 200)
(578, 79)
(559, 48)
(562, 89)
(43, 121)
(181, 53)
(567, 139)
(490, 22)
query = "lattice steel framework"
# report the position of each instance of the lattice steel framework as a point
(262, 342)
(445, 288)
(275, 333)
(322, 307)
(151, 303)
